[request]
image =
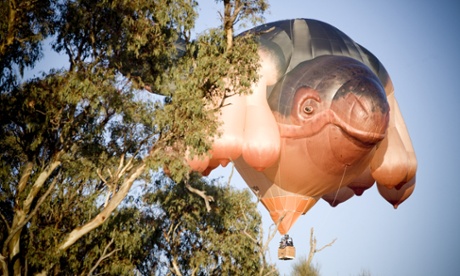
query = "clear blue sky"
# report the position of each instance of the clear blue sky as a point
(418, 41)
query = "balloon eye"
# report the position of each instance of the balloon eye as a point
(308, 109)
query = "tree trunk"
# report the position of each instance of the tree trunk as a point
(313, 249)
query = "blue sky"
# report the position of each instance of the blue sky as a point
(418, 42)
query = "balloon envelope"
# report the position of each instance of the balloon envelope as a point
(322, 120)
(396, 196)
(340, 196)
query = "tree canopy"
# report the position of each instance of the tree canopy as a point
(138, 92)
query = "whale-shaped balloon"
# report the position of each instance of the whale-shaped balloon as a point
(322, 116)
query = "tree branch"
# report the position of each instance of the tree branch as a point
(44, 175)
(202, 194)
(14, 237)
(116, 199)
(228, 23)
(121, 165)
(5, 221)
(4, 265)
(246, 226)
(21, 213)
(176, 267)
(29, 217)
(259, 242)
(98, 171)
(231, 175)
(313, 249)
(123, 168)
(25, 177)
(327, 245)
(104, 256)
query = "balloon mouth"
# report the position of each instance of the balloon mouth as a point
(363, 118)
(328, 117)
(365, 137)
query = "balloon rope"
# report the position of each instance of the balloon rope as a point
(340, 185)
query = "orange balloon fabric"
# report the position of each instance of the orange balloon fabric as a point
(229, 146)
(340, 196)
(322, 122)
(397, 195)
(362, 182)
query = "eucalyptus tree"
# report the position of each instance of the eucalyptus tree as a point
(189, 240)
(75, 140)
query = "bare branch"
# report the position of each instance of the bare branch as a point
(166, 235)
(231, 175)
(42, 177)
(236, 11)
(176, 267)
(25, 177)
(123, 169)
(246, 225)
(202, 194)
(195, 269)
(110, 173)
(98, 171)
(4, 264)
(104, 256)
(311, 253)
(313, 249)
(120, 166)
(172, 229)
(107, 198)
(271, 234)
(329, 244)
(259, 241)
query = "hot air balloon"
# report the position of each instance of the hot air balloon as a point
(340, 196)
(321, 120)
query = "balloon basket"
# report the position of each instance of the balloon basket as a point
(286, 253)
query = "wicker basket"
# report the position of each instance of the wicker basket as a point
(286, 253)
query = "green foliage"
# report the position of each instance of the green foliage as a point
(23, 25)
(169, 225)
(197, 242)
(116, 248)
(302, 268)
(74, 141)
(244, 10)
(85, 123)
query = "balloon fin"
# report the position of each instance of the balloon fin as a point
(394, 162)
(341, 195)
(228, 146)
(397, 196)
(362, 182)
